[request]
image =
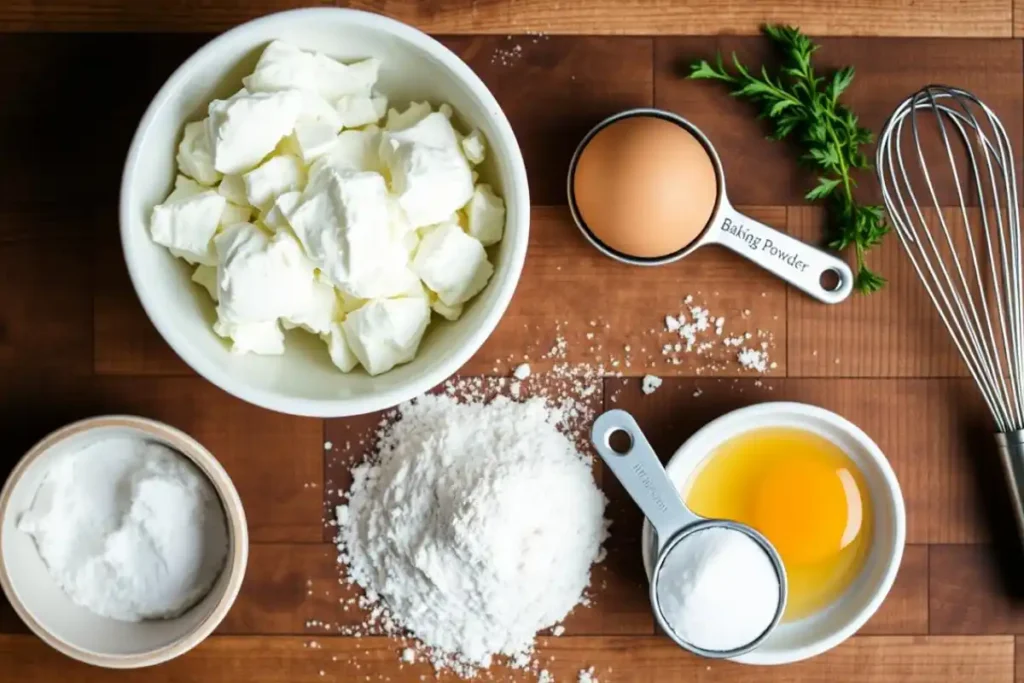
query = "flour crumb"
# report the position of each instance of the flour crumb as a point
(544, 676)
(587, 676)
(752, 359)
(522, 371)
(328, 445)
(558, 631)
(409, 655)
(650, 384)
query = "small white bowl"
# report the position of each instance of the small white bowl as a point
(74, 630)
(303, 381)
(792, 642)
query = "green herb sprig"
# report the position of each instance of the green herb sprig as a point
(801, 104)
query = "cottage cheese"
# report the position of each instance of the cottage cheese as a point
(195, 154)
(306, 204)
(453, 264)
(386, 332)
(247, 127)
(429, 173)
(186, 223)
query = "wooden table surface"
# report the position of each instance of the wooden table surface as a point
(75, 76)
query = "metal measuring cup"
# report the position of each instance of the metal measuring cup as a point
(807, 268)
(636, 466)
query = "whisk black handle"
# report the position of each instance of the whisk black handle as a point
(1011, 453)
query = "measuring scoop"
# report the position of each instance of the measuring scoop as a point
(627, 453)
(814, 271)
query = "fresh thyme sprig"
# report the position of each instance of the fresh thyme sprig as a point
(799, 103)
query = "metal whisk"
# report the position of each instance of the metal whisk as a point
(968, 257)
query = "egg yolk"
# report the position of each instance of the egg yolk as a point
(805, 495)
(808, 508)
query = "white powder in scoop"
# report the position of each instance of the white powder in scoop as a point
(718, 589)
(474, 527)
(129, 529)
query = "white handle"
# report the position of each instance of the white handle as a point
(799, 264)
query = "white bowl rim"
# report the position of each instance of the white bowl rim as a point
(235, 564)
(731, 424)
(384, 399)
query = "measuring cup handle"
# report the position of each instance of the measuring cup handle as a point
(797, 263)
(641, 474)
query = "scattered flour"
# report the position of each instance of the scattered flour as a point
(753, 359)
(587, 676)
(473, 527)
(650, 384)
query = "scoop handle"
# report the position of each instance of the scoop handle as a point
(799, 264)
(641, 474)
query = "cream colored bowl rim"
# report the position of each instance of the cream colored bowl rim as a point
(238, 551)
(789, 414)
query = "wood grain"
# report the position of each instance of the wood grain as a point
(895, 659)
(893, 333)
(641, 17)
(975, 589)
(762, 172)
(45, 306)
(600, 306)
(124, 340)
(905, 610)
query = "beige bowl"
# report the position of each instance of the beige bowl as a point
(74, 630)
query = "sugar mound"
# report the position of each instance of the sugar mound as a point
(473, 527)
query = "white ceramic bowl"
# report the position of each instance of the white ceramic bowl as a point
(791, 642)
(74, 630)
(303, 381)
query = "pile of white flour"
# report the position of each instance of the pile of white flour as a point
(473, 527)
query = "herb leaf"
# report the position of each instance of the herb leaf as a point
(798, 102)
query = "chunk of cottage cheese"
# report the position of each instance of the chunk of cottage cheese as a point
(265, 338)
(277, 218)
(233, 213)
(359, 110)
(445, 311)
(473, 147)
(386, 332)
(187, 222)
(354, 150)
(341, 353)
(195, 154)
(485, 216)
(284, 67)
(260, 278)
(452, 264)
(343, 224)
(428, 171)
(271, 179)
(206, 277)
(314, 139)
(316, 312)
(232, 188)
(413, 114)
(248, 126)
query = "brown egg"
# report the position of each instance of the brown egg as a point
(645, 186)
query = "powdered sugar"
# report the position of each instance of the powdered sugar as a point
(473, 528)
